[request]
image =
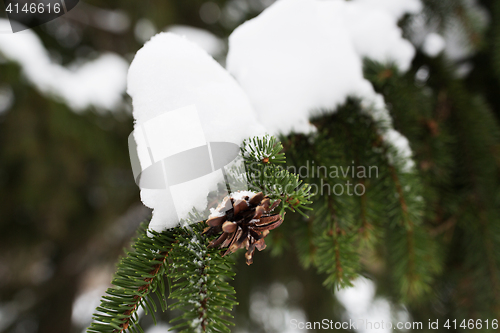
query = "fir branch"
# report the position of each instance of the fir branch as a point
(266, 174)
(139, 275)
(199, 284)
(196, 279)
(197, 276)
(305, 243)
(480, 134)
(336, 255)
(412, 252)
(266, 149)
(392, 203)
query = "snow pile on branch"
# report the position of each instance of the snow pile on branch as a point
(169, 74)
(402, 147)
(299, 56)
(303, 55)
(296, 57)
(98, 83)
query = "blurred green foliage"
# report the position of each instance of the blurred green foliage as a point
(69, 204)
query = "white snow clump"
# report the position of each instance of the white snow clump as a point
(303, 55)
(168, 74)
(99, 83)
(299, 56)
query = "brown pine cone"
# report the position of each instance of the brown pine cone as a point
(244, 219)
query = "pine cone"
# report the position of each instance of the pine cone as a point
(244, 222)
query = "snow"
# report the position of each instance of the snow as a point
(433, 44)
(314, 65)
(170, 74)
(286, 70)
(375, 34)
(369, 311)
(99, 83)
(250, 149)
(223, 206)
(212, 44)
(239, 195)
(216, 212)
(290, 70)
(191, 194)
(402, 146)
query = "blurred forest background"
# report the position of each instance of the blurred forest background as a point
(69, 203)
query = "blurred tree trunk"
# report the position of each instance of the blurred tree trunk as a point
(56, 309)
